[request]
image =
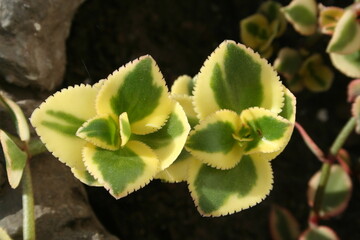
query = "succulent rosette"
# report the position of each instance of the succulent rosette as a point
(243, 117)
(119, 133)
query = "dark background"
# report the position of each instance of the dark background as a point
(180, 35)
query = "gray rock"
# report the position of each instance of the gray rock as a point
(62, 210)
(32, 40)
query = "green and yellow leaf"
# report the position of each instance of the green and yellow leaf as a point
(183, 85)
(302, 15)
(319, 233)
(102, 131)
(220, 192)
(236, 78)
(125, 128)
(329, 17)
(168, 142)
(315, 75)
(213, 141)
(346, 37)
(17, 116)
(186, 103)
(85, 177)
(15, 159)
(124, 170)
(283, 225)
(138, 89)
(272, 11)
(347, 64)
(267, 132)
(353, 90)
(337, 192)
(57, 120)
(355, 109)
(288, 62)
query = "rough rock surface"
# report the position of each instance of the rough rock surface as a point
(62, 209)
(32, 40)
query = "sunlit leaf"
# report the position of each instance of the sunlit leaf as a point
(124, 170)
(302, 15)
(85, 177)
(319, 233)
(138, 89)
(329, 17)
(337, 191)
(183, 85)
(346, 37)
(315, 75)
(353, 90)
(236, 78)
(15, 159)
(348, 64)
(283, 225)
(220, 192)
(17, 116)
(57, 120)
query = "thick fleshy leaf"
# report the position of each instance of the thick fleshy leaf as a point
(178, 171)
(346, 37)
(4, 235)
(17, 116)
(302, 15)
(186, 103)
(288, 62)
(102, 131)
(168, 142)
(288, 112)
(85, 177)
(236, 78)
(124, 170)
(15, 159)
(337, 191)
(319, 233)
(355, 109)
(272, 11)
(59, 117)
(268, 132)
(353, 90)
(316, 76)
(220, 192)
(183, 85)
(329, 17)
(213, 141)
(283, 225)
(348, 64)
(138, 89)
(125, 128)
(256, 32)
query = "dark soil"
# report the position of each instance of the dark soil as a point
(180, 35)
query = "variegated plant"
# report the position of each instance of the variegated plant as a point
(246, 117)
(118, 133)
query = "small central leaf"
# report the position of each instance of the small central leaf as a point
(125, 128)
(103, 132)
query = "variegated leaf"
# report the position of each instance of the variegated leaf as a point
(329, 17)
(346, 37)
(125, 128)
(266, 131)
(186, 103)
(183, 85)
(272, 11)
(347, 64)
(337, 192)
(302, 15)
(85, 177)
(283, 225)
(288, 62)
(353, 90)
(319, 233)
(315, 75)
(355, 109)
(15, 159)
(17, 116)
(124, 170)
(59, 117)
(178, 171)
(102, 131)
(138, 89)
(236, 78)
(220, 192)
(213, 141)
(168, 142)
